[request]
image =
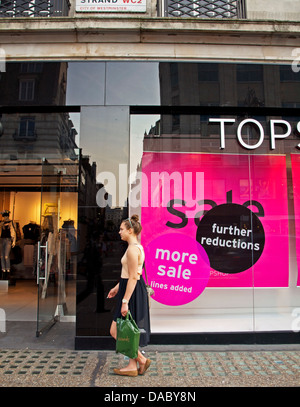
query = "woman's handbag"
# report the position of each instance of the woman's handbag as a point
(128, 336)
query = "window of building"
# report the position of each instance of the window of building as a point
(208, 72)
(27, 128)
(288, 75)
(26, 89)
(30, 67)
(249, 73)
(205, 8)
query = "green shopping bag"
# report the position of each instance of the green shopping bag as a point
(128, 336)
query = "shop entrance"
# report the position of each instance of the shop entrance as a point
(57, 247)
(38, 239)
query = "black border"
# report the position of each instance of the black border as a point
(39, 109)
(216, 110)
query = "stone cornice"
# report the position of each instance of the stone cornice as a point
(96, 38)
(188, 25)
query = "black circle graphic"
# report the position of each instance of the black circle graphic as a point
(233, 237)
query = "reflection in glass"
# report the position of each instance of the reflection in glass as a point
(86, 83)
(107, 148)
(114, 148)
(103, 204)
(32, 135)
(132, 83)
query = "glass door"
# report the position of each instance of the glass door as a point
(48, 246)
(57, 248)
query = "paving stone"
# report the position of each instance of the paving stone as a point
(180, 369)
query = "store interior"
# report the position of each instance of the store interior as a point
(36, 213)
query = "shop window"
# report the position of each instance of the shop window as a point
(295, 118)
(177, 171)
(175, 122)
(174, 75)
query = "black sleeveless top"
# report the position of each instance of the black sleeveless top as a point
(6, 230)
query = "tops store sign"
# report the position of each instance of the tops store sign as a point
(279, 129)
(119, 6)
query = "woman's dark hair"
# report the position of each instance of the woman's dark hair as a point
(133, 223)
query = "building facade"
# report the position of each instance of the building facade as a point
(186, 113)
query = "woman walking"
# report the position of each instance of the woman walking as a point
(132, 294)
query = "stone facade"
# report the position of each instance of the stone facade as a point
(264, 36)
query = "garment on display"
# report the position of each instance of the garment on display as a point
(32, 231)
(7, 242)
(68, 225)
(47, 224)
(49, 239)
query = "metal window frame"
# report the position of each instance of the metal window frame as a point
(164, 12)
(34, 8)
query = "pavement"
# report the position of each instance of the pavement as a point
(51, 361)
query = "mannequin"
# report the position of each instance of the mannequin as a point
(7, 241)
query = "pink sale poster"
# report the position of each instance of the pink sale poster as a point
(295, 158)
(213, 220)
